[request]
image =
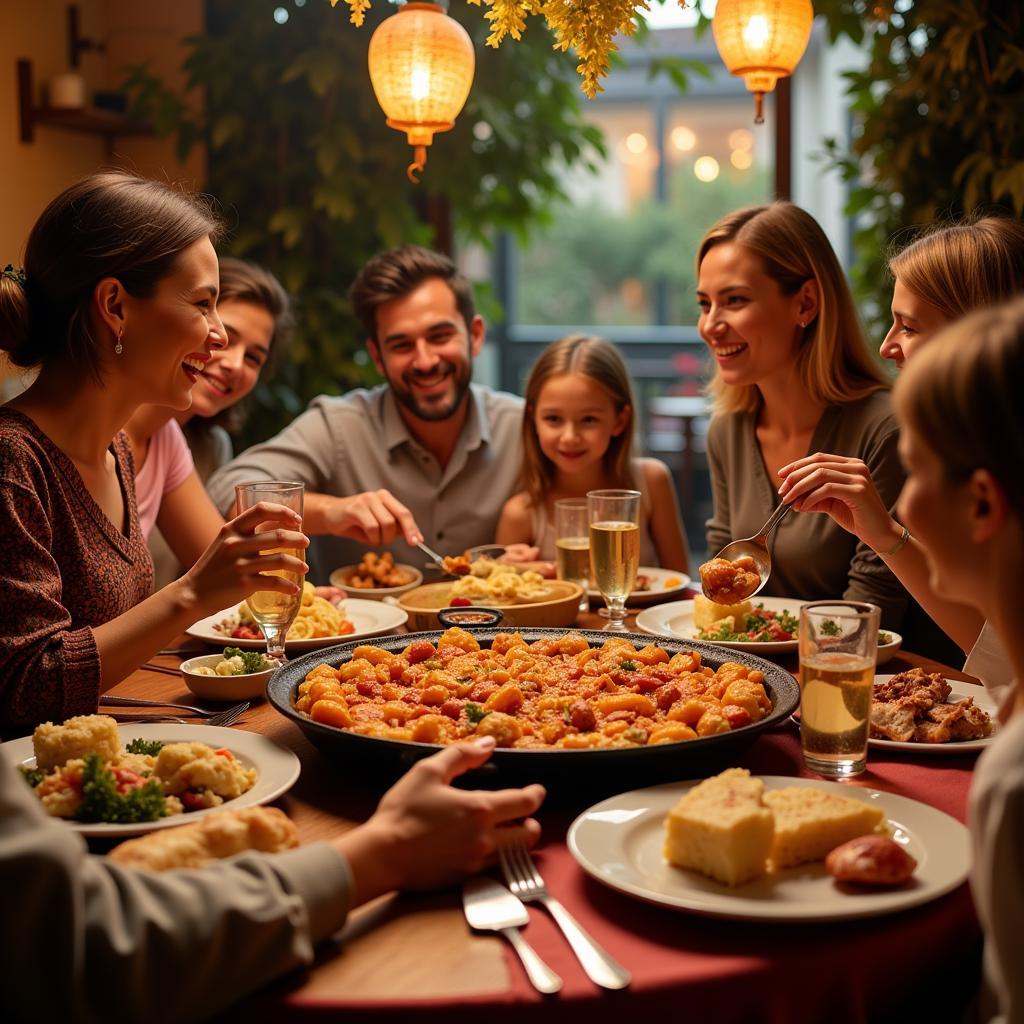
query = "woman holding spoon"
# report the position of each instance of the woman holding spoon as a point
(793, 375)
(116, 305)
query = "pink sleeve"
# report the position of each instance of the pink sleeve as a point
(167, 466)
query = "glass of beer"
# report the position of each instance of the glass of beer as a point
(273, 612)
(572, 544)
(614, 548)
(838, 646)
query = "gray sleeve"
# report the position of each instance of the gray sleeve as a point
(719, 526)
(306, 451)
(869, 578)
(124, 944)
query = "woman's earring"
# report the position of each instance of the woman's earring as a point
(119, 348)
(803, 323)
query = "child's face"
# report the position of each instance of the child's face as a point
(575, 419)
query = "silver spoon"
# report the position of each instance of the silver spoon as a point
(755, 548)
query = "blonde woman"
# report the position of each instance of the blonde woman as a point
(793, 375)
(963, 446)
(578, 437)
(949, 271)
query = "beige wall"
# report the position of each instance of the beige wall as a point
(31, 174)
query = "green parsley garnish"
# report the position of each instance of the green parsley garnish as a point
(33, 776)
(475, 714)
(252, 661)
(141, 746)
(102, 802)
(829, 627)
(628, 666)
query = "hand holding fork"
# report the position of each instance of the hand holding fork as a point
(525, 882)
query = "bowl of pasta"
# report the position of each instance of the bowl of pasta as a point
(583, 701)
(525, 597)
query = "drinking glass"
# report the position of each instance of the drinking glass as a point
(572, 545)
(614, 548)
(838, 647)
(273, 611)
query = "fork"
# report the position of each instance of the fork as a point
(232, 713)
(221, 718)
(525, 881)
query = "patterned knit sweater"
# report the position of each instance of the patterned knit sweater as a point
(64, 568)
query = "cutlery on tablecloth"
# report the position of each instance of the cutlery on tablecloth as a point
(113, 700)
(489, 906)
(526, 883)
(756, 547)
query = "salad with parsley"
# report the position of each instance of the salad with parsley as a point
(759, 626)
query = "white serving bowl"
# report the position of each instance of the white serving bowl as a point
(886, 651)
(225, 688)
(340, 579)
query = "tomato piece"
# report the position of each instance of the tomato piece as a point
(127, 779)
(420, 651)
(191, 800)
(460, 602)
(736, 716)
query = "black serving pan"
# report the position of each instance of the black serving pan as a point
(636, 764)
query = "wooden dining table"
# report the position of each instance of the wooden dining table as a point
(413, 956)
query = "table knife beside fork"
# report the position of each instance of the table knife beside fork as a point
(489, 906)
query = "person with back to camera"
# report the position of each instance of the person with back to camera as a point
(436, 454)
(959, 405)
(792, 375)
(945, 273)
(117, 306)
(578, 437)
(176, 450)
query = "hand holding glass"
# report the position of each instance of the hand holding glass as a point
(274, 611)
(614, 548)
(572, 544)
(838, 648)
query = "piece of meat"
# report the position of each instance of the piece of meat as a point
(890, 721)
(870, 860)
(913, 683)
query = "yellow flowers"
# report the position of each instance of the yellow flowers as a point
(587, 26)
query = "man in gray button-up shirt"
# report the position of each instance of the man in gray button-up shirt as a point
(428, 454)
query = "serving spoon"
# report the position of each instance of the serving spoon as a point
(755, 548)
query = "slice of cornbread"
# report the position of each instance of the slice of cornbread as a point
(810, 822)
(721, 828)
(706, 613)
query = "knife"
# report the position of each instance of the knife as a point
(489, 906)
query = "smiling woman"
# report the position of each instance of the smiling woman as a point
(117, 306)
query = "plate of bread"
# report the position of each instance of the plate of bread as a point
(756, 847)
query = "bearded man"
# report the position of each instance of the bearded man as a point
(428, 455)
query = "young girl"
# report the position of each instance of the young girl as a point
(578, 437)
(949, 271)
(963, 445)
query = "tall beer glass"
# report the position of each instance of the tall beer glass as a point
(273, 611)
(838, 648)
(614, 548)
(572, 544)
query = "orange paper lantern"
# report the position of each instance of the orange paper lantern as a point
(421, 66)
(762, 40)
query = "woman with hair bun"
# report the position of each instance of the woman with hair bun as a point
(948, 271)
(793, 374)
(116, 307)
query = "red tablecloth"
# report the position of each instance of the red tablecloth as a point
(918, 964)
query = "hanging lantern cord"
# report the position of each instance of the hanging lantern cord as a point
(758, 108)
(415, 169)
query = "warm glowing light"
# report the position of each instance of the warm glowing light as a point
(741, 159)
(741, 138)
(683, 138)
(421, 66)
(636, 142)
(762, 40)
(705, 168)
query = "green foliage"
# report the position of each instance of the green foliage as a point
(938, 113)
(102, 802)
(141, 746)
(313, 182)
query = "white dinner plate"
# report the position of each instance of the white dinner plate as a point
(371, 618)
(619, 842)
(277, 769)
(676, 620)
(662, 582)
(958, 690)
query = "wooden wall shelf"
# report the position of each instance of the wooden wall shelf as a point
(107, 124)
